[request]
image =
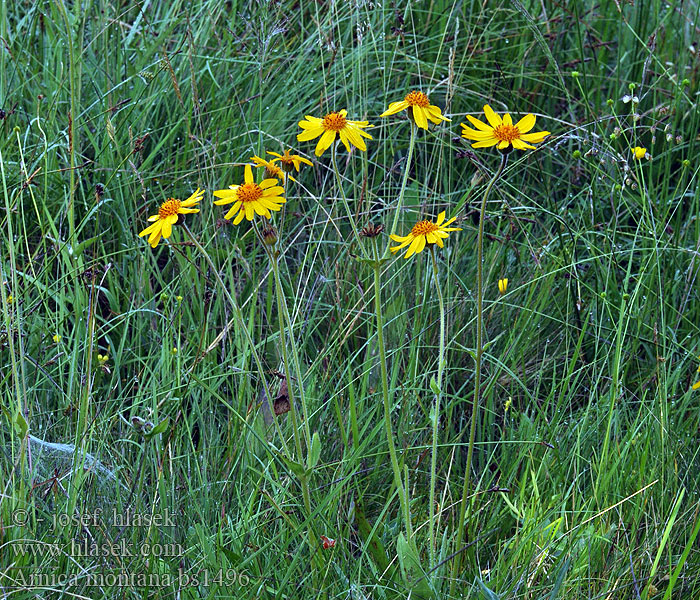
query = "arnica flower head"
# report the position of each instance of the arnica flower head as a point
(419, 109)
(639, 152)
(168, 215)
(503, 285)
(335, 123)
(271, 169)
(501, 132)
(289, 161)
(250, 197)
(424, 232)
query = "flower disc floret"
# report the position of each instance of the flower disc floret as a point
(424, 228)
(417, 99)
(169, 207)
(334, 121)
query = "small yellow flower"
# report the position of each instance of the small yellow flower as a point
(102, 359)
(501, 132)
(424, 232)
(639, 152)
(10, 299)
(250, 198)
(174, 351)
(179, 299)
(271, 169)
(509, 403)
(503, 285)
(333, 124)
(56, 338)
(419, 109)
(289, 161)
(697, 384)
(168, 215)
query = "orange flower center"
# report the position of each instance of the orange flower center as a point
(286, 159)
(417, 99)
(424, 228)
(249, 192)
(334, 122)
(506, 133)
(169, 208)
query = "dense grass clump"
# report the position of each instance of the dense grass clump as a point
(141, 453)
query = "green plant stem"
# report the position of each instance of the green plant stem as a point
(353, 225)
(398, 479)
(477, 376)
(238, 314)
(406, 171)
(282, 316)
(436, 409)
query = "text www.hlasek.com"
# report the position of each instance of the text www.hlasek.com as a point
(85, 548)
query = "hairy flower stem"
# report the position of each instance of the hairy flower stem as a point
(477, 376)
(435, 417)
(353, 225)
(398, 479)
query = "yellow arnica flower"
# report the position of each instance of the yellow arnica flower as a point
(271, 169)
(503, 285)
(168, 215)
(289, 161)
(424, 232)
(333, 124)
(639, 152)
(419, 108)
(250, 198)
(501, 132)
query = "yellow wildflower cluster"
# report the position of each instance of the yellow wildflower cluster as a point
(262, 198)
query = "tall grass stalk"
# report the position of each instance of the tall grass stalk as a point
(477, 373)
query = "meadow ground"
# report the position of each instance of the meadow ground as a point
(284, 413)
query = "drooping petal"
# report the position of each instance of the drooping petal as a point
(431, 238)
(167, 228)
(238, 218)
(149, 229)
(395, 107)
(325, 142)
(343, 133)
(535, 138)
(419, 117)
(249, 210)
(520, 145)
(439, 241)
(504, 144)
(412, 248)
(310, 134)
(356, 139)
